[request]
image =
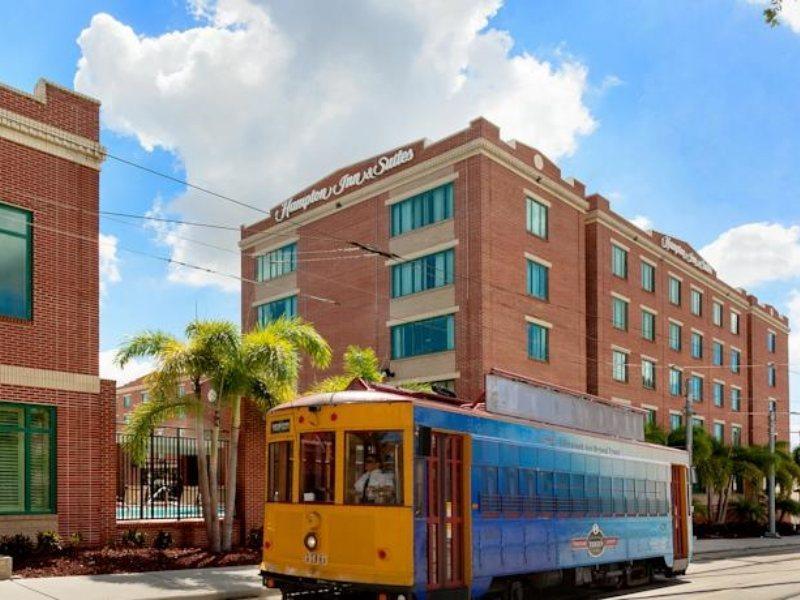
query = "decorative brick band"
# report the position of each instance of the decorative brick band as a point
(53, 380)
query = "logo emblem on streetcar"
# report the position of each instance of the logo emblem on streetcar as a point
(595, 542)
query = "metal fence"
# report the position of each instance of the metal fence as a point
(165, 485)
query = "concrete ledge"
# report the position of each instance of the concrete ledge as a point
(6, 565)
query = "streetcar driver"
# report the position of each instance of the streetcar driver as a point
(374, 486)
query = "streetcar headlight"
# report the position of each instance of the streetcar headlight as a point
(311, 541)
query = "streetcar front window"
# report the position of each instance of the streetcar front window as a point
(280, 472)
(374, 467)
(317, 466)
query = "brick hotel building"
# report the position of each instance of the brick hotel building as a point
(454, 257)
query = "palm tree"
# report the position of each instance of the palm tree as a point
(262, 365)
(360, 363)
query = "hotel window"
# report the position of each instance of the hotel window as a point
(675, 421)
(648, 325)
(648, 277)
(772, 375)
(719, 432)
(127, 401)
(537, 216)
(27, 459)
(697, 345)
(696, 388)
(696, 302)
(619, 313)
(675, 381)
(736, 436)
(675, 341)
(674, 291)
(697, 423)
(16, 256)
(736, 399)
(716, 313)
(423, 337)
(648, 374)
(619, 261)
(276, 263)
(538, 342)
(719, 393)
(145, 397)
(285, 307)
(735, 323)
(717, 352)
(423, 209)
(423, 273)
(736, 358)
(619, 366)
(538, 280)
(650, 417)
(771, 341)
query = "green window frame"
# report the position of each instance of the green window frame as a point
(619, 313)
(270, 311)
(537, 217)
(538, 280)
(421, 210)
(675, 381)
(648, 325)
(648, 277)
(736, 399)
(427, 336)
(675, 335)
(277, 263)
(619, 261)
(16, 263)
(27, 458)
(674, 291)
(424, 273)
(719, 393)
(538, 342)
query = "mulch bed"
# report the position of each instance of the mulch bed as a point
(129, 560)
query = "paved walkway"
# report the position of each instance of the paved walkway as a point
(742, 546)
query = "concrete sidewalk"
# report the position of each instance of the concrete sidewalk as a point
(205, 584)
(718, 548)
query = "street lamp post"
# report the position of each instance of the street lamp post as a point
(771, 483)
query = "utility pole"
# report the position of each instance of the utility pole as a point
(771, 484)
(689, 411)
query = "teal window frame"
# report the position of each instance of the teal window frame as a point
(717, 354)
(619, 313)
(648, 374)
(538, 342)
(675, 336)
(719, 393)
(424, 273)
(674, 291)
(28, 429)
(270, 311)
(426, 208)
(537, 218)
(675, 421)
(736, 399)
(648, 277)
(697, 345)
(538, 280)
(619, 261)
(736, 360)
(277, 263)
(25, 312)
(675, 381)
(648, 325)
(427, 336)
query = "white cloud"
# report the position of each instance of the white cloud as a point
(756, 253)
(109, 262)
(135, 368)
(642, 222)
(260, 99)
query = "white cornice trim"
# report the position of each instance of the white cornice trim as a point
(281, 296)
(423, 252)
(51, 380)
(450, 310)
(422, 188)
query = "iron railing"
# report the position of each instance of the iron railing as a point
(165, 485)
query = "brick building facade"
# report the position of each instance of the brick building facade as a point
(454, 257)
(56, 414)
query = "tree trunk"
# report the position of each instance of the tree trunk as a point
(202, 468)
(214, 483)
(230, 475)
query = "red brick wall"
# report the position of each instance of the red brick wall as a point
(759, 390)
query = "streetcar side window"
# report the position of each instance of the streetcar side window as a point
(280, 472)
(317, 466)
(374, 468)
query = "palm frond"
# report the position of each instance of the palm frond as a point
(145, 344)
(146, 417)
(303, 336)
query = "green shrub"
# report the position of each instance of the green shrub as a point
(748, 510)
(49, 542)
(17, 546)
(163, 540)
(75, 539)
(133, 538)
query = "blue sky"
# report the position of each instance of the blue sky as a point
(685, 114)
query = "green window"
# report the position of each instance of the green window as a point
(423, 337)
(423, 273)
(736, 399)
(675, 336)
(719, 393)
(619, 313)
(696, 302)
(675, 421)
(16, 255)
(697, 345)
(716, 354)
(423, 209)
(648, 325)
(648, 277)
(285, 307)
(648, 374)
(736, 358)
(538, 342)
(537, 218)
(674, 290)
(619, 261)
(276, 263)
(538, 280)
(675, 381)
(619, 366)
(27, 458)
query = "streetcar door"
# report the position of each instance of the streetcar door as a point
(445, 518)
(680, 537)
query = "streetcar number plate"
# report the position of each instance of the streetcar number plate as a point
(314, 558)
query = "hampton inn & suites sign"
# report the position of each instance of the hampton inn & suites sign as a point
(668, 244)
